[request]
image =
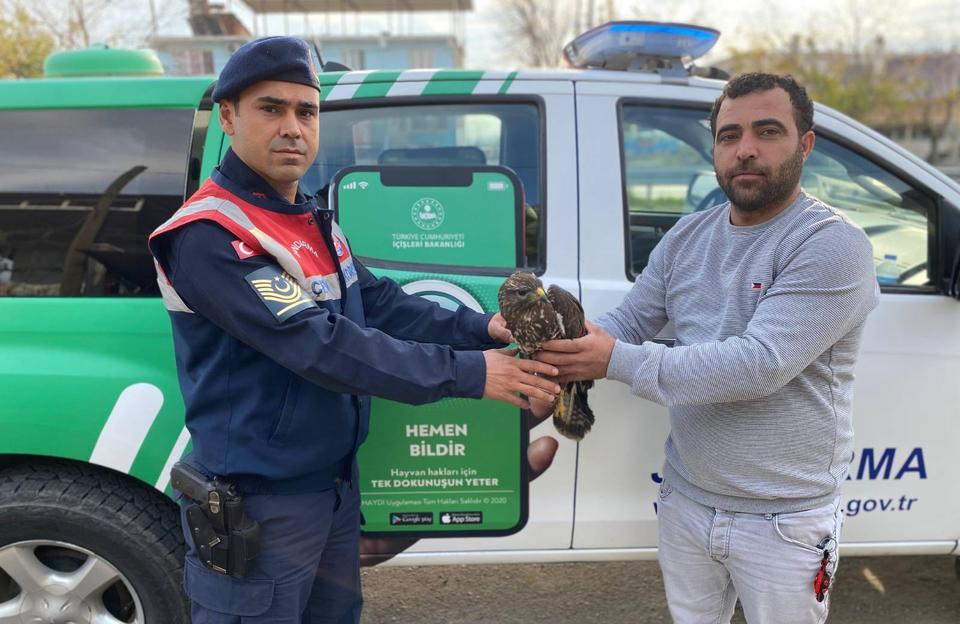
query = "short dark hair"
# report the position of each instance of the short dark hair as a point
(745, 84)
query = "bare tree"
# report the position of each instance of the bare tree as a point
(937, 129)
(938, 93)
(659, 11)
(79, 23)
(859, 22)
(537, 30)
(610, 11)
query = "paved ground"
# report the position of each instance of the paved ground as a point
(914, 590)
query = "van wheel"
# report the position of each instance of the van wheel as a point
(84, 545)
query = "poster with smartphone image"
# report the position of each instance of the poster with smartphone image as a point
(452, 235)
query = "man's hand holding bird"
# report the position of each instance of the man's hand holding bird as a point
(582, 358)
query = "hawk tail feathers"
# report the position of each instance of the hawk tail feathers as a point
(573, 417)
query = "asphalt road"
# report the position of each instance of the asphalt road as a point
(914, 590)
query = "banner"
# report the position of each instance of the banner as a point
(449, 234)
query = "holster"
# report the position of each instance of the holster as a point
(227, 541)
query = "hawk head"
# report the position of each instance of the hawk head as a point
(521, 291)
(528, 312)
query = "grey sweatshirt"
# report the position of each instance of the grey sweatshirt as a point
(768, 323)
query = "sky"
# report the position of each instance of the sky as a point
(906, 25)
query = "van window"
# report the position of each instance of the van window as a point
(895, 215)
(61, 232)
(668, 172)
(440, 135)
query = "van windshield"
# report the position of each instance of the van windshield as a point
(97, 180)
(436, 135)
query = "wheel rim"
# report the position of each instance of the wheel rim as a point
(50, 582)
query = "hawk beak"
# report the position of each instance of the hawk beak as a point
(540, 292)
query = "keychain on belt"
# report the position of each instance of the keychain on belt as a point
(821, 583)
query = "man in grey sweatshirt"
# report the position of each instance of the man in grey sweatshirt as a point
(769, 294)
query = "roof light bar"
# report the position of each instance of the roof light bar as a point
(640, 45)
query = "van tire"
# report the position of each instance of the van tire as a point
(131, 526)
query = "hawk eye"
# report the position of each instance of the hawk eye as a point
(523, 292)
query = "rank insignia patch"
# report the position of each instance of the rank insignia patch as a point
(279, 292)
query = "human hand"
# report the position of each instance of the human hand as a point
(540, 454)
(497, 328)
(507, 376)
(583, 358)
(541, 409)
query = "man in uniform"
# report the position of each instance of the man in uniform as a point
(281, 336)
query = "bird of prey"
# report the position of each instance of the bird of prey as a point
(534, 317)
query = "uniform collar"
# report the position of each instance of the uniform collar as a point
(234, 175)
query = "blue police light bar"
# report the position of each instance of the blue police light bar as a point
(619, 45)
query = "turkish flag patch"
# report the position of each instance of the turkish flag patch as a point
(243, 250)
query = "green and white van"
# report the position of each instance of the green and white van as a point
(91, 417)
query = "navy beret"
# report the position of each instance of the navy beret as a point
(272, 58)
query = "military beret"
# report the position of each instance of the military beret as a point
(286, 59)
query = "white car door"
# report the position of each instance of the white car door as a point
(644, 162)
(619, 462)
(904, 473)
(550, 516)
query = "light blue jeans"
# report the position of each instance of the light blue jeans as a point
(711, 557)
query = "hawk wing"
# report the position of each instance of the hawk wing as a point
(572, 415)
(570, 311)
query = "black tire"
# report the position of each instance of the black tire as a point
(68, 508)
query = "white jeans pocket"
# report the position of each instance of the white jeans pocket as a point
(807, 529)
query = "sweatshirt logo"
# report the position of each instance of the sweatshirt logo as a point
(756, 286)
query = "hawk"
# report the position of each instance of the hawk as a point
(534, 317)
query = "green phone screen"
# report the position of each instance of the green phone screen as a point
(452, 235)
